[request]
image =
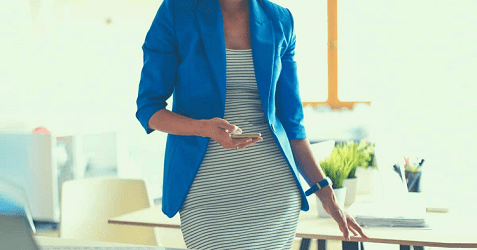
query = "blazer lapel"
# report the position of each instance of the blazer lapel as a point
(211, 29)
(263, 50)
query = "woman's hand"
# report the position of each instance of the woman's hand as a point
(344, 220)
(219, 129)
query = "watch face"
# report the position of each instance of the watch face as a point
(329, 181)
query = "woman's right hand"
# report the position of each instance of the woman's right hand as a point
(219, 130)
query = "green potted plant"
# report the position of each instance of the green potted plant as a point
(363, 153)
(337, 167)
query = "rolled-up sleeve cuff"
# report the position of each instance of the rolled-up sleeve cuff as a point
(144, 114)
(296, 133)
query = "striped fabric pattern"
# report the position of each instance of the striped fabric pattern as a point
(242, 198)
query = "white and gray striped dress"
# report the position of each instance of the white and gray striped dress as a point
(245, 198)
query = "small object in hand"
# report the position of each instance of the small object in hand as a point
(246, 135)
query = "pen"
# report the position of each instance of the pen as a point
(420, 165)
(398, 170)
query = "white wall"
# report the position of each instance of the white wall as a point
(65, 68)
(415, 61)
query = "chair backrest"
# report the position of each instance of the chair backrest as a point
(87, 204)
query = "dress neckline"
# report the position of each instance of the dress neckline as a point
(238, 49)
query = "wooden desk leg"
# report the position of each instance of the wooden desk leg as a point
(404, 247)
(321, 244)
(350, 245)
(305, 244)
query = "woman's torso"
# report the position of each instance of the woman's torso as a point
(242, 198)
(254, 168)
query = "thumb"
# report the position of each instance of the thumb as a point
(229, 127)
(234, 129)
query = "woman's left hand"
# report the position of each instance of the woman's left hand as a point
(344, 220)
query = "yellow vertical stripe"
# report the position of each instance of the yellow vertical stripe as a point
(332, 52)
(333, 100)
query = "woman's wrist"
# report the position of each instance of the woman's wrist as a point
(326, 195)
(202, 128)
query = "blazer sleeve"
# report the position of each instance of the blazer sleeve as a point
(160, 64)
(288, 102)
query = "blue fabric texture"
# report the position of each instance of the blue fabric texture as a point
(184, 57)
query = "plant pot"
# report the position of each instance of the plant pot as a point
(351, 186)
(367, 179)
(340, 194)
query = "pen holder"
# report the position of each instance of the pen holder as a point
(413, 180)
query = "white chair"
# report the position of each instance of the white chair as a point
(87, 204)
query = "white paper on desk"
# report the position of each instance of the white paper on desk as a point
(386, 214)
(387, 210)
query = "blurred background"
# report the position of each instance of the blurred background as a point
(72, 68)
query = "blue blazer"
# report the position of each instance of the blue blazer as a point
(184, 56)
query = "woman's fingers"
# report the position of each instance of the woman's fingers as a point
(328, 200)
(240, 143)
(237, 143)
(249, 142)
(352, 230)
(350, 225)
(340, 218)
(228, 142)
(345, 221)
(223, 129)
(355, 226)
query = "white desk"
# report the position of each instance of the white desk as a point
(60, 242)
(452, 229)
(55, 241)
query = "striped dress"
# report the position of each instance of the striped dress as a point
(242, 198)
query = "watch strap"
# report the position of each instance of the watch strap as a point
(319, 185)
